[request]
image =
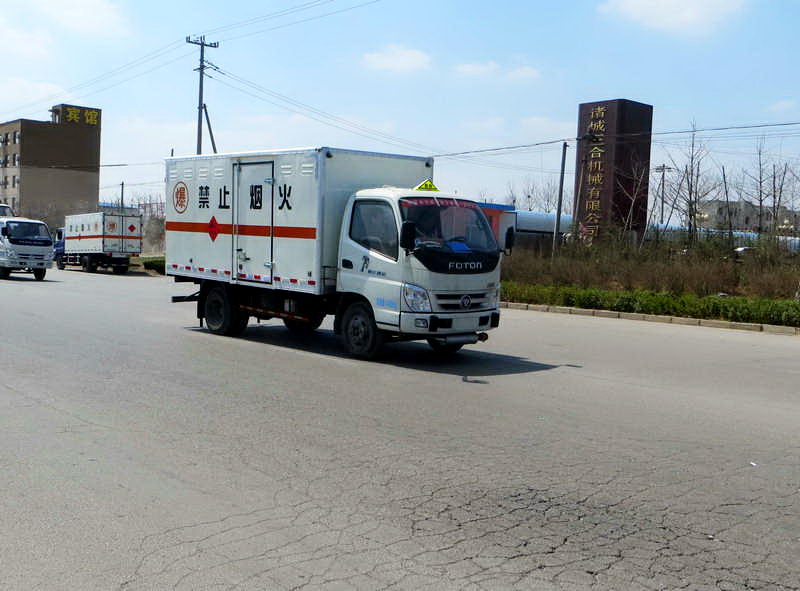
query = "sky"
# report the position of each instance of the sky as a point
(404, 76)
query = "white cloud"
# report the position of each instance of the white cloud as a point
(782, 105)
(490, 124)
(541, 128)
(478, 69)
(96, 17)
(29, 98)
(523, 73)
(23, 43)
(396, 58)
(675, 16)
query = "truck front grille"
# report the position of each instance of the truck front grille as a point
(456, 301)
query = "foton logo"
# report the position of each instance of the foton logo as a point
(466, 266)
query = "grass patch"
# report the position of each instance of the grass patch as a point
(784, 312)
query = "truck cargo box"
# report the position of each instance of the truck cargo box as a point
(271, 219)
(103, 233)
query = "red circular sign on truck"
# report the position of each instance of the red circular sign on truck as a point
(180, 197)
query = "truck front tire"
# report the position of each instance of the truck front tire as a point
(39, 274)
(222, 314)
(4, 272)
(60, 262)
(362, 338)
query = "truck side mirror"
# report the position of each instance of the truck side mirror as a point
(408, 235)
(4, 231)
(509, 243)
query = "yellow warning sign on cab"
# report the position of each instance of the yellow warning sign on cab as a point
(426, 185)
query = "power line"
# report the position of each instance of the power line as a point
(305, 20)
(172, 46)
(339, 122)
(625, 135)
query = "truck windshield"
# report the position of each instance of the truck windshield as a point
(5, 211)
(31, 233)
(453, 224)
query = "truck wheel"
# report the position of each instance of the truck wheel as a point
(60, 262)
(303, 327)
(4, 272)
(120, 270)
(87, 264)
(443, 349)
(39, 274)
(362, 338)
(221, 315)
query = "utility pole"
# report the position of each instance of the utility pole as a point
(201, 41)
(662, 169)
(557, 229)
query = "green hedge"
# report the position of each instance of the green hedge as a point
(154, 264)
(737, 309)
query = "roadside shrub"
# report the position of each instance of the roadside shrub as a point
(738, 309)
(154, 264)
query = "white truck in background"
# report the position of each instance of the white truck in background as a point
(365, 237)
(25, 245)
(6, 211)
(93, 240)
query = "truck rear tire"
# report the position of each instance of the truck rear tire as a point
(60, 262)
(87, 264)
(222, 314)
(362, 338)
(4, 272)
(303, 327)
(39, 274)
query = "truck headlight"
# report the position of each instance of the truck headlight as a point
(416, 298)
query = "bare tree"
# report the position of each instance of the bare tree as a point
(511, 194)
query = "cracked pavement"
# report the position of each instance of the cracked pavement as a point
(138, 452)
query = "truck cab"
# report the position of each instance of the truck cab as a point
(427, 266)
(25, 245)
(6, 211)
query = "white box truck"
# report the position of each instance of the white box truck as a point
(25, 245)
(303, 233)
(93, 240)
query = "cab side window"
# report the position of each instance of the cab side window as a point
(373, 226)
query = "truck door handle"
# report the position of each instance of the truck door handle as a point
(347, 264)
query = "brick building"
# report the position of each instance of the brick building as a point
(49, 169)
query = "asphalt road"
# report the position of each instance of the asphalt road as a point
(139, 452)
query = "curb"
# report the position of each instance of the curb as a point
(709, 323)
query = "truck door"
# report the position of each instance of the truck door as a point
(368, 258)
(111, 238)
(132, 232)
(252, 231)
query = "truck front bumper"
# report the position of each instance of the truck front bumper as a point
(440, 324)
(20, 263)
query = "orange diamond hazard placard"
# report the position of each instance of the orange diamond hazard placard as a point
(426, 185)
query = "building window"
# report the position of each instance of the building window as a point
(16, 137)
(16, 159)
(13, 181)
(5, 181)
